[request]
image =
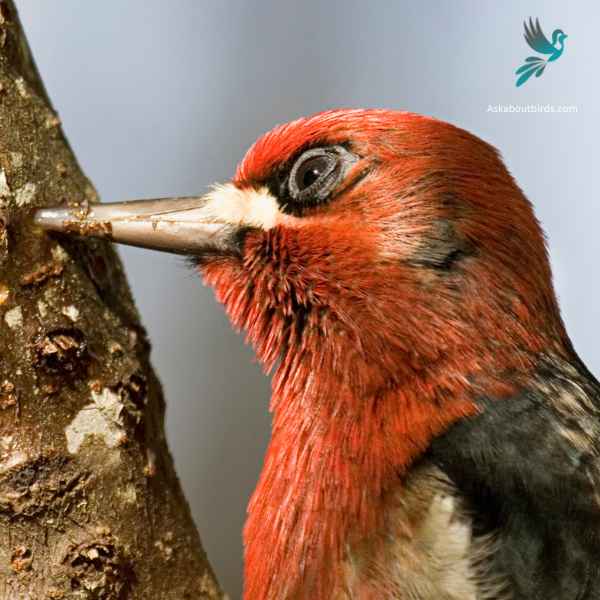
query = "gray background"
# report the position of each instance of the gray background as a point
(163, 98)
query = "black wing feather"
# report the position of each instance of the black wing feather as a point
(530, 466)
(536, 38)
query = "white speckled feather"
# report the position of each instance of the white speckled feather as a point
(427, 551)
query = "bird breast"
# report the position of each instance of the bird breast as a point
(426, 550)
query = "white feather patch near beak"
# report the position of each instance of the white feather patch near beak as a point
(250, 207)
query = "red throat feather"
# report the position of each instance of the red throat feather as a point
(374, 351)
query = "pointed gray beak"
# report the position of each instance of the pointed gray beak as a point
(178, 225)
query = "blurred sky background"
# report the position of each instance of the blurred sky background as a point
(163, 98)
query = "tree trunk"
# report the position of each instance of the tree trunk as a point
(90, 505)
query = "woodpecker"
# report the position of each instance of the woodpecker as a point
(435, 436)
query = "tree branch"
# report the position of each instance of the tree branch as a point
(90, 505)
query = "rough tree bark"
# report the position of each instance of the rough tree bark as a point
(90, 505)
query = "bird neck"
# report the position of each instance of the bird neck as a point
(355, 402)
(329, 464)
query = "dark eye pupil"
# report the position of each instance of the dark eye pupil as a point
(310, 176)
(310, 171)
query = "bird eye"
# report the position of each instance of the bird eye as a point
(315, 174)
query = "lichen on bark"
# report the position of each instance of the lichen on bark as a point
(90, 505)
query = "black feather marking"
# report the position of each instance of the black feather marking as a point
(232, 247)
(442, 248)
(530, 465)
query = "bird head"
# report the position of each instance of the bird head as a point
(375, 241)
(558, 37)
(377, 244)
(391, 270)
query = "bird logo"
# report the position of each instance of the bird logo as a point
(538, 41)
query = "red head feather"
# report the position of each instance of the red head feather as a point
(384, 312)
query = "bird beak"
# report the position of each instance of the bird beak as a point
(186, 225)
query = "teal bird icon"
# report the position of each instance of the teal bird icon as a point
(538, 41)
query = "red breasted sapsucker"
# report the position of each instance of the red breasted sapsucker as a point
(435, 436)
